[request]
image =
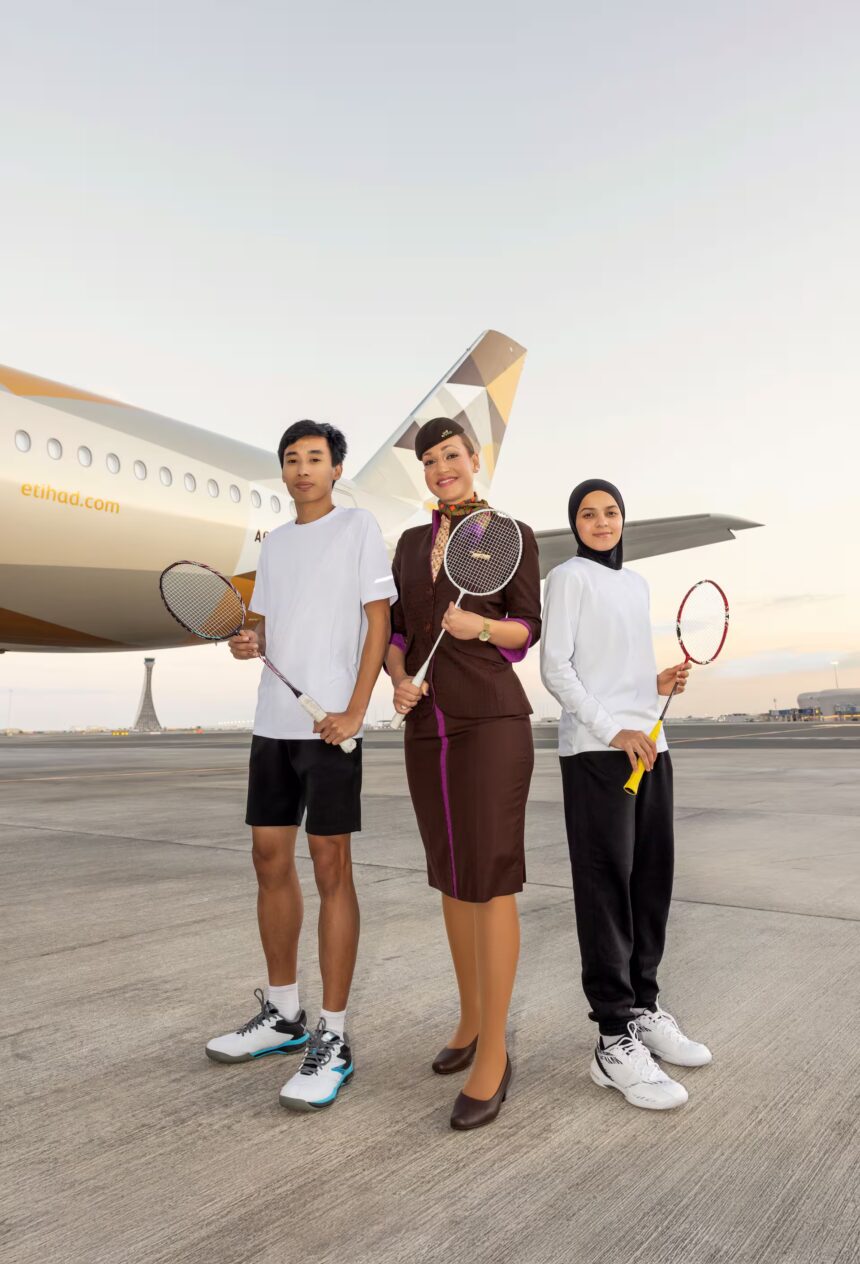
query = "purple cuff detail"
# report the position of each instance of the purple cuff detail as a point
(398, 639)
(517, 656)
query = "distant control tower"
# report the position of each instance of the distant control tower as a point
(147, 720)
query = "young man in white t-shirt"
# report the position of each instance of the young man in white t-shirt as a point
(323, 592)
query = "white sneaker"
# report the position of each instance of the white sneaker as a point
(662, 1035)
(266, 1032)
(628, 1066)
(326, 1067)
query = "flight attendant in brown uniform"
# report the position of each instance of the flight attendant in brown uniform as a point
(469, 759)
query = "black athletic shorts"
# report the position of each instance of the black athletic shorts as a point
(286, 776)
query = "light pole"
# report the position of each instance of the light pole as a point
(835, 665)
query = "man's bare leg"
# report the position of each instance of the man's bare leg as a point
(339, 916)
(279, 913)
(280, 907)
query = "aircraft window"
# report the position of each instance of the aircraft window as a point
(190, 483)
(235, 494)
(139, 470)
(165, 476)
(112, 462)
(85, 456)
(55, 449)
(256, 499)
(22, 441)
(212, 487)
(276, 505)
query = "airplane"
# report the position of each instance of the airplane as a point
(98, 497)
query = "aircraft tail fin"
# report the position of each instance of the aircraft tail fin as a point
(478, 392)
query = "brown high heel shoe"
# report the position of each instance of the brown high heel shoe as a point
(471, 1112)
(448, 1060)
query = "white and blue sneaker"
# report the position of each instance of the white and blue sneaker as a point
(627, 1065)
(660, 1032)
(266, 1032)
(326, 1067)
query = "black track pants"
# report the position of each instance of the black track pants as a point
(622, 859)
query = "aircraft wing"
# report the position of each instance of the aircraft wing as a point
(649, 537)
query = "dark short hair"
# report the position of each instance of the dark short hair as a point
(304, 429)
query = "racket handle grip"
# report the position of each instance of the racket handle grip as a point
(631, 785)
(417, 681)
(316, 712)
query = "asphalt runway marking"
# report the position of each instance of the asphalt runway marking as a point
(729, 737)
(754, 733)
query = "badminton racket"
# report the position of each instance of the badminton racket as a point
(206, 604)
(481, 557)
(701, 627)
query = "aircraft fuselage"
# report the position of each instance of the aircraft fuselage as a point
(96, 514)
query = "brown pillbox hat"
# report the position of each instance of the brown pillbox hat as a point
(433, 432)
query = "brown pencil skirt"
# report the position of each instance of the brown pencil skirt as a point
(469, 781)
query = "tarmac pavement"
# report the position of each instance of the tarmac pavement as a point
(129, 938)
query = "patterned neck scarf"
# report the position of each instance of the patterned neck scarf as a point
(449, 512)
(438, 553)
(459, 508)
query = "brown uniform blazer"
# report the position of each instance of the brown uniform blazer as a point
(468, 679)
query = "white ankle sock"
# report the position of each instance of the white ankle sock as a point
(334, 1019)
(606, 1041)
(286, 1000)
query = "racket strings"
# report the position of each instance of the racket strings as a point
(702, 623)
(202, 601)
(483, 552)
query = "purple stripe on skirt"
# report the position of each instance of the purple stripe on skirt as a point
(443, 770)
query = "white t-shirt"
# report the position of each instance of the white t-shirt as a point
(597, 656)
(313, 581)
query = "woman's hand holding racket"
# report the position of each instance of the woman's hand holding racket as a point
(463, 625)
(701, 627)
(407, 695)
(673, 679)
(640, 748)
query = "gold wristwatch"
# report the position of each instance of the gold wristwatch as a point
(484, 634)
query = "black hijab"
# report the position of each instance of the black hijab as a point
(613, 557)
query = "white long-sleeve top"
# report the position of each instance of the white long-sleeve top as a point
(597, 656)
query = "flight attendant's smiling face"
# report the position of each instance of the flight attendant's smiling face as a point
(450, 469)
(599, 521)
(308, 472)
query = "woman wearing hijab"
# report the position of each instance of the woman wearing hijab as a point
(469, 758)
(597, 659)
